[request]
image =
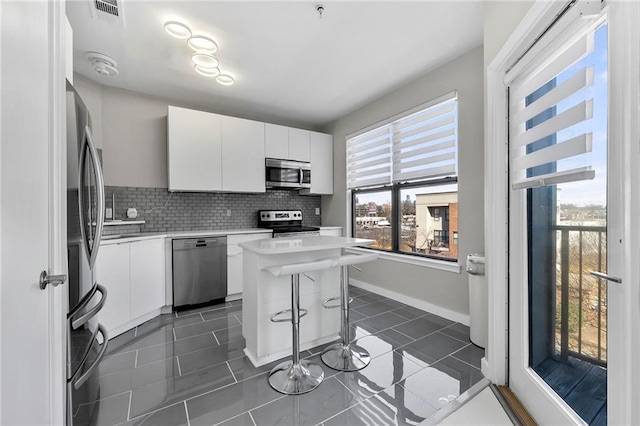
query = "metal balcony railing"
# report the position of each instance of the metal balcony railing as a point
(581, 299)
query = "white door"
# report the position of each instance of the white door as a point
(31, 213)
(572, 213)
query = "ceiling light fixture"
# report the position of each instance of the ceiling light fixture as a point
(225, 79)
(205, 60)
(177, 29)
(102, 64)
(202, 44)
(207, 72)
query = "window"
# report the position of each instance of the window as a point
(402, 176)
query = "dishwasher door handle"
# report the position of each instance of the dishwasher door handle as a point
(201, 244)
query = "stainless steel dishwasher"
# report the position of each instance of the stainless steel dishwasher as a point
(199, 270)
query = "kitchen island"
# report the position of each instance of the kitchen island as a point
(264, 294)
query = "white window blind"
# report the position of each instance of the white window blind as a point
(419, 146)
(369, 158)
(550, 103)
(424, 143)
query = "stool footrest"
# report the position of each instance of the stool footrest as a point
(326, 304)
(273, 318)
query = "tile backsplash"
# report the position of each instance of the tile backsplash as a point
(164, 211)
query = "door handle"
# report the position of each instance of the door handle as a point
(54, 280)
(604, 276)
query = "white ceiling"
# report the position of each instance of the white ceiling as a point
(290, 65)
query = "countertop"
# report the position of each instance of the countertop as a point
(296, 245)
(117, 239)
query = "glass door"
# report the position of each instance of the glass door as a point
(558, 229)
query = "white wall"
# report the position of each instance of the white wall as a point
(446, 290)
(91, 94)
(500, 19)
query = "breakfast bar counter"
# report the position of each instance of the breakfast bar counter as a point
(265, 294)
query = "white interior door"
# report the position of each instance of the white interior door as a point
(31, 217)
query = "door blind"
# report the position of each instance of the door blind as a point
(424, 143)
(548, 108)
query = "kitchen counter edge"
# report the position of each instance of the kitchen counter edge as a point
(182, 234)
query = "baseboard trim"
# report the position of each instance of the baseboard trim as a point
(412, 301)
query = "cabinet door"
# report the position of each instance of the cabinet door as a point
(234, 271)
(321, 149)
(242, 155)
(193, 150)
(112, 271)
(235, 258)
(299, 145)
(147, 276)
(276, 142)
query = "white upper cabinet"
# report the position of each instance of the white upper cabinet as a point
(321, 153)
(194, 150)
(242, 155)
(211, 152)
(276, 141)
(299, 145)
(286, 143)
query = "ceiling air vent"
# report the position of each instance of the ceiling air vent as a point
(109, 11)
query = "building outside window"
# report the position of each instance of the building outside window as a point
(402, 177)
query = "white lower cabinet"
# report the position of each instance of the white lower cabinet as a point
(235, 258)
(112, 270)
(147, 276)
(134, 276)
(331, 231)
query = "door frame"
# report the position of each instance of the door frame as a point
(58, 297)
(624, 87)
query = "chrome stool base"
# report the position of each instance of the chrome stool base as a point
(295, 379)
(349, 357)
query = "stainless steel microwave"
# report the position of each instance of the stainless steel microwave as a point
(287, 174)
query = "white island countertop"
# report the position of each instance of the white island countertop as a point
(302, 244)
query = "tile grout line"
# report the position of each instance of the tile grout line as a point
(215, 337)
(135, 364)
(186, 410)
(129, 409)
(230, 370)
(252, 419)
(202, 316)
(179, 369)
(173, 330)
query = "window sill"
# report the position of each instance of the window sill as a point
(441, 265)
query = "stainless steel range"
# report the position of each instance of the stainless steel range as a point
(285, 223)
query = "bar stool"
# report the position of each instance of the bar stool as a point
(344, 355)
(296, 376)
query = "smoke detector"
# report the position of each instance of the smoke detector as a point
(108, 10)
(102, 64)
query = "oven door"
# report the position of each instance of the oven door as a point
(287, 174)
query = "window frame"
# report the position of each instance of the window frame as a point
(396, 219)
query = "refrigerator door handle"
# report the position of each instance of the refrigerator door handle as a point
(77, 322)
(76, 381)
(92, 241)
(99, 194)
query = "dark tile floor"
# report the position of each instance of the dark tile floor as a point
(189, 369)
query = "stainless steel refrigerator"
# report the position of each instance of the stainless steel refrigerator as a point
(86, 338)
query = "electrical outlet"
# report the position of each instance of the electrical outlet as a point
(228, 212)
(108, 213)
(317, 211)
